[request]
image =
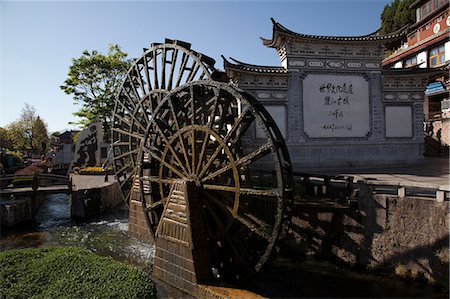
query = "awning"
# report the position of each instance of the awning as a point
(435, 87)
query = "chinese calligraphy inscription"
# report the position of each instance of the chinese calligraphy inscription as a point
(336, 106)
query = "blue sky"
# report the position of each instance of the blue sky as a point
(39, 38)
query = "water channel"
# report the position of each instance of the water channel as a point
(286, 277)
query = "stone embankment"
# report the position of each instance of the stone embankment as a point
(406, 233)
(94, 194)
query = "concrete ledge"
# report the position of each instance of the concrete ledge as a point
(440, 192)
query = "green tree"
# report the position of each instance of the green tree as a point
(93, 81)
(40, 135)
(396, 15)
(29, 131)
(5, 139)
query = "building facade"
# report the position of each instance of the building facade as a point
(334, 103)
(427, 41)
(62, 149)
(427, 45)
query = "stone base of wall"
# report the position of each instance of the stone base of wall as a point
(409, 235)
(112, 196)
(354, 155)
(19, 210)
(93, 195)
(137, 224)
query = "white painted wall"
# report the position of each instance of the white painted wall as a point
(398, 65)
(63, 156)
(447, 51)
(422, 58)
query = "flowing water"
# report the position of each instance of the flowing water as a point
(285, 278)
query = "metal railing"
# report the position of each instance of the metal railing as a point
(35, 180)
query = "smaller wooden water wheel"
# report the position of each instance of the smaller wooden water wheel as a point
(161, 68)
(201, 177)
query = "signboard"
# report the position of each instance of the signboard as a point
(336, 106)
(434, 88)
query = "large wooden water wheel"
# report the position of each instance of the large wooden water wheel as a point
(196, 147)
(161, 68)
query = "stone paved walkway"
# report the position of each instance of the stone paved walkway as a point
(432, 170)
(83, 182)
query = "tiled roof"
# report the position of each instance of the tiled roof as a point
(415, 71)
(280, 30)
(251, 67)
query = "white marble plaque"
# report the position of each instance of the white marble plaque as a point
(399, 121)
(336, 106)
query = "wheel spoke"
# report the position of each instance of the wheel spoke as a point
(120, 143)
(163, 69)
(125, 167)
(193, 140)
(168, 144)
(225, 141)
(244, 191)
(126, 154)
(139, 77)
(248, 159)
(129, 123)
(132, 104)
(128, 178)
(207, 134)
(184, 60)
(156, 179)
(257, 227)
(225, 208)
(155, 70)
(221, 188)
(128, 133)
(128, 96)
(213, 214)
(158, 158)
(194, 69)
(147, 74)
(183, 148)
(133, 87)
(155, 204)
(172, 68)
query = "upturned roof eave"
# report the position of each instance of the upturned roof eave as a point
(246, 67)
(279, 31)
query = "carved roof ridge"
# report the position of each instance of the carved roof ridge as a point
(252, 67)
(279, 29)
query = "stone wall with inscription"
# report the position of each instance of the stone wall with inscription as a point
(336, 106)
